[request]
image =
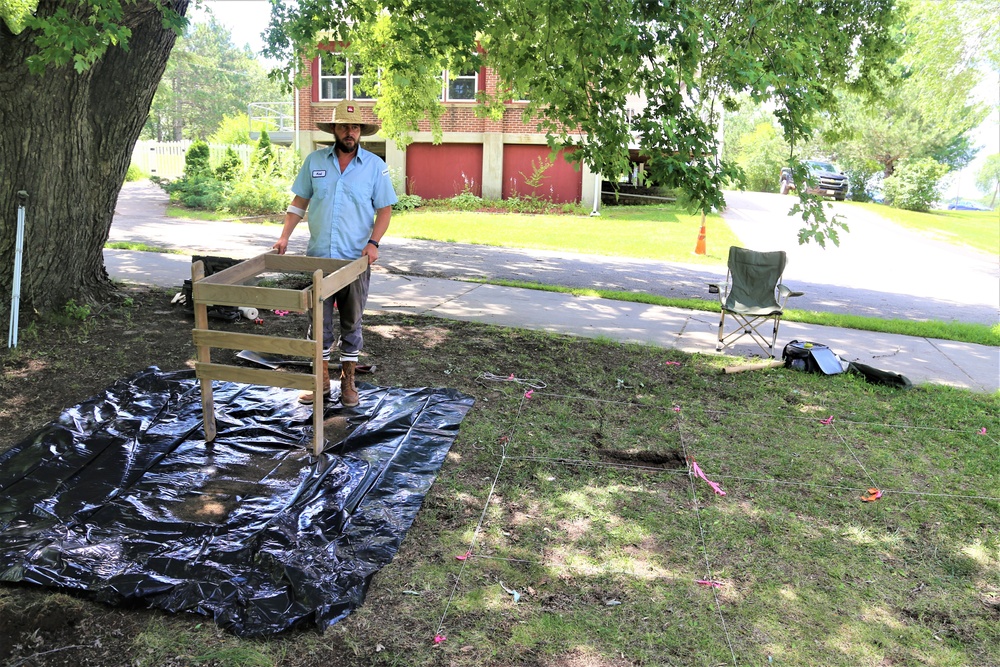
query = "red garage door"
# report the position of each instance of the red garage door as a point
(560, 182)
(445, 170)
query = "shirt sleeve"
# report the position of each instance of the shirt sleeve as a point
(302, 187)
(383, 194)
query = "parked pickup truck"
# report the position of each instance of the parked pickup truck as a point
(829, 181)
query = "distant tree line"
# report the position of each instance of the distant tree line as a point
(207, 84)
(917, 127)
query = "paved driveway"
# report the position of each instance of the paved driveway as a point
(879, 269)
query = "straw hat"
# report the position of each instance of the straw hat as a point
(348, 113)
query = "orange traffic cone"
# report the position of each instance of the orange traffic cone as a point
(699, 248)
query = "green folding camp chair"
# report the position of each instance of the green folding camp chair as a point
(751, 296)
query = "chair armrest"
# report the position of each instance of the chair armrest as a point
(713, 288)
(784, 293)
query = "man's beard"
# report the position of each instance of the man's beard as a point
(342, 147)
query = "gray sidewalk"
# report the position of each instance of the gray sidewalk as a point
(922, 360)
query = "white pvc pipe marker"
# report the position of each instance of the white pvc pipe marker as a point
(15, 298)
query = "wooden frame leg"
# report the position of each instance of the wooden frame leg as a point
(319, 390)
(224, 288)
(204, 356)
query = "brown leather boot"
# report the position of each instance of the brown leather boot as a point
(348, 392)
(307, 397)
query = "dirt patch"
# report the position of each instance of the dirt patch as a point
(42, 628)
(672, 459)
(941, 622)
(582, 658)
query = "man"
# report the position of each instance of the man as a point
(349, 195)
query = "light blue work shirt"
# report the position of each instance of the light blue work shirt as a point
(342, 205)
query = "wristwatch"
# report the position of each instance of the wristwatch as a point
(373, 242)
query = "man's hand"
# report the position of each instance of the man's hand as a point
(382, 216)
(293, 216)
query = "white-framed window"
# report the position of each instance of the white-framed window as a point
(339, 78)
(461, 88)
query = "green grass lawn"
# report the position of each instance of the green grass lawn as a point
(595, 522)
(666, 233)
(199, 214)
(579, 499)
(143, 247)
(976, 229)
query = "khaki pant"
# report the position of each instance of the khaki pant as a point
(350, 303)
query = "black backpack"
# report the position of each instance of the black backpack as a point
(212, 265)
(818, 358)
(812, 358)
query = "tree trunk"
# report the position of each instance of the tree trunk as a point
(67, 138)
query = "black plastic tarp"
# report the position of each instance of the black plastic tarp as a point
(122, 498)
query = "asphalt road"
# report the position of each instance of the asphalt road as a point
(880, 269)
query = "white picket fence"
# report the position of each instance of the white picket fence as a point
(166, 158)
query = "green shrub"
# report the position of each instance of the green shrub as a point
(861, 173)
(199, 191)
(762, 154)
(257, 196)
(535, 205)
(231, 167)
(525, 204)
(135, 173)
(407, 203)
(262, 161)
(914, 184)
(466, 201)
(196, 160)
(286, 163)
(74, 311)
(528, 204)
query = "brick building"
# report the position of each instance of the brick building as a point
(489, 158)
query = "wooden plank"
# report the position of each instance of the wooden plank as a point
(774, 363)
(256, 376)
(238, 273)
(303, 264)
(200, 310)
(299, 347)
(264, 298)
(341, 278)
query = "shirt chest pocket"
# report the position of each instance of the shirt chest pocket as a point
(322, 183)
(359, 192)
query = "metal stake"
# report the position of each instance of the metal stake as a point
(15, 299)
